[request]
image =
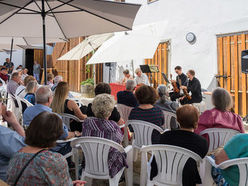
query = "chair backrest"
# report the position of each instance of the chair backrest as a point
(66, 118)
(124, 111)
(23, 104)
(170, 162)
(218, 137)
(143, 132)
(170, 120)
(96, 152)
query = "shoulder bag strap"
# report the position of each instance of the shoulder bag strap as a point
(25, 166)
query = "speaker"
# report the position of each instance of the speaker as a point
(244, 61)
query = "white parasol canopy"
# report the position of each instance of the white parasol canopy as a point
(88, 45)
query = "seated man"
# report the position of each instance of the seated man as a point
(3, 74)
(127, 97)
(141, 78)
(13, 83)
(44, 99)
(20, 91)
(10, 141)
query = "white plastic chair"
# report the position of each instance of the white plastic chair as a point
(66, 118)
(96, 152)
(20, 103)
(170, 163)
(167, 120)
(242, 164)
(142, 134)
(124, 112)
(218, 137)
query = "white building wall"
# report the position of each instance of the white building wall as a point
(17, 57)
(205, 18)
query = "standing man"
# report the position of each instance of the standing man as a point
(36, 71)
(181, 80)
(9, 65)
(141, 78)
(194, 86)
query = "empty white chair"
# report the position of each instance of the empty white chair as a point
(242, 164)
(142, 134)
(66, 118)
(170, 163)
(168, 116)
(218, 137)
(124, 112)
(96, 152)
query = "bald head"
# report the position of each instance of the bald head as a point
(44, 95)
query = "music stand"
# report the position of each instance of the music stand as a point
(145, 69)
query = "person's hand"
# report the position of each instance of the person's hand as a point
(181, 98)
(79, 183)
(121, 122)
(183, 87)
(173, 81)
(77, 134)
(9, 117)
(3, 109)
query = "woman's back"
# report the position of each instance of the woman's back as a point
(47, 168)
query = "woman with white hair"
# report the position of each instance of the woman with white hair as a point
(164, 102)
(100, 126)
(220, 116)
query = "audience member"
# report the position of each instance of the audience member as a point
(187, 116)
(237, 147)
(36, 71)
(31, 89)
(220, 116)
(164, 102)
(4, 74)
(141, 78)
(13, 83)
(127, 97)
(20, 91)
(101, 126)
(46, 167)
(127, 76)
(10, 141)
(57, 79)
(147, 97)
(24, 73)
(9, 65)
(44, 99)
(104, 88)
(50, 80)
(20, 67)
(61, 104)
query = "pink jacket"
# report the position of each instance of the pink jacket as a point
(215, 118)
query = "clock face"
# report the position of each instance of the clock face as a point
(190, 37)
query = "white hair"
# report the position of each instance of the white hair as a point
(130, 85)
(57, 79)
(31, 86)
(137, 70)
(163, 93)
(222, 99)
(43, 94)
(103, 105)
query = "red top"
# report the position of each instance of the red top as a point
(3, 77)
(215, 118)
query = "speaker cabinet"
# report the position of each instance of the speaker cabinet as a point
(244, 61)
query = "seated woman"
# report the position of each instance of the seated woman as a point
(31, 89)
(220, 116)
(50, 78)
(104, 88)
(101, 126)
(147, 97)
(61, 104)
(185, 137)
(45, 167)
(127, 76)
(237, 147)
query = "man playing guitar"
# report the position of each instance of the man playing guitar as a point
(181, 80)
(194, 86)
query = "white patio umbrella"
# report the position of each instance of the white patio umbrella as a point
(140, 43)
(88, 45)
(63, 18)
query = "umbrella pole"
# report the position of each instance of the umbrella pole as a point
(43, 14)
(11, 49)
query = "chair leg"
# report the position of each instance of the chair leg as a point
(129, 170)
(87, 179)
(115, 180)
(135, 154)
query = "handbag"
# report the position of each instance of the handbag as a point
(25, 166)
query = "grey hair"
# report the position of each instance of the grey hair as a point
(130, 85)
(57, 79)
(103, 105)
(14, 75)
(137, 70)
(163, 93)
(43, 94)
(31, 86)
(222, 99)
